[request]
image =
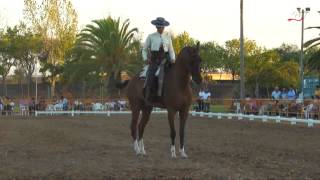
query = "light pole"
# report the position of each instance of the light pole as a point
(242, 78)
(36, 74)
(302, 12)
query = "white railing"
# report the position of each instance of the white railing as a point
(264, 118)
(75, 113)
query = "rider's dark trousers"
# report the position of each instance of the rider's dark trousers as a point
(151, 82)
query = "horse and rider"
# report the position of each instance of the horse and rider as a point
(175, 92)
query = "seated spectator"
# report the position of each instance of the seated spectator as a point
(317, 92)
(122, 104)
(1, 104)
(276, 93)
(6, 106)
(250, 105)
(64, 103)
(77, 105)
(284, 93)
(311, 108)
(291, 94)
(32, 105)
(42, 104)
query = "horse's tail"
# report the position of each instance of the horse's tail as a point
(122, 84)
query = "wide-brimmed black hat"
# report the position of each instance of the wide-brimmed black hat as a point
(160, 22)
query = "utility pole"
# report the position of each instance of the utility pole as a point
(302, 12)
(301, 51)
(242, 78)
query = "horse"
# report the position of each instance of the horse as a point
(177, 97)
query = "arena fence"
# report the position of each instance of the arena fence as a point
(250, 108)
(76, 113)
(251, 117)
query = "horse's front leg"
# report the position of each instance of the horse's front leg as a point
(183, 115)
(133, 127)
(143, 122)
(171, 116)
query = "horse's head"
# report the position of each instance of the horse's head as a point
(191, 59)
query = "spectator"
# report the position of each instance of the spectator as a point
(11, 105)
(317, 92)
(42, 104)
(6, 106)
(206, 99)
(64, 103)
(200, 100)
(203, 101)
(1, 105)
(291, 94)
(276, 93)
(251, 105)
(284, 93)
(32, 105)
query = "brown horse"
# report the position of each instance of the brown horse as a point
(177, 97)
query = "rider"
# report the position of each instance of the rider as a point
(155, 44)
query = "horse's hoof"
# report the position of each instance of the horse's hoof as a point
(173, 152)
(143, 152)
(183, 154)
(141, 147)
(136, 147)
(173, 156)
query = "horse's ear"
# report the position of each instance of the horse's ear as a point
(198, 46)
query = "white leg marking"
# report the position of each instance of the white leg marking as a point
(141, 146)
(183, 153)
(173, 151)
(136, 147)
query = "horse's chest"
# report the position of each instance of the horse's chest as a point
(179, 99)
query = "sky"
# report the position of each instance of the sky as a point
(265, 21)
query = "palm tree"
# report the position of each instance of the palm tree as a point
(313, 42)
(314, 52)
(107, 43)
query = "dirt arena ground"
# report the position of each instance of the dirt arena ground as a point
(97, 147)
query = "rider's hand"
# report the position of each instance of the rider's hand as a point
(148, 61)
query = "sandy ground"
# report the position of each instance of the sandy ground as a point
(97, 147)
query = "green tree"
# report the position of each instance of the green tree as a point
(232, 47)
(27, 48)
(110, 46)
(213, 55)
(261, 72)
(182, 40)
(266, 70)
(7, 50)
(19, 76)
(288, 52)
(56, 23)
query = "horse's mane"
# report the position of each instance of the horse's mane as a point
(183, 50)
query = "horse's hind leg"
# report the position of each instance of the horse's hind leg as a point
(171, 116)
(143, 122)
(183, 114)
(133, 127)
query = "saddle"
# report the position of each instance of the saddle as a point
(159, 77)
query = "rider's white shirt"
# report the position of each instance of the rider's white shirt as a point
(154, 41)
